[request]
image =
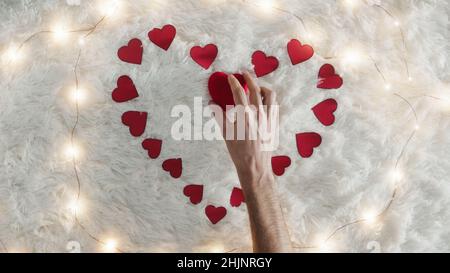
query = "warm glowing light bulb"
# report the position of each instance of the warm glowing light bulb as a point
(323, 243)
(266, 5)
(397, 175)
(370, 217)
(81, 41)
(325, 246)
(75, 206)
(60, 33)
(410, 78)
(72, 151)
(445, 103)
(108, 8)
(12, 55)
(351, 56)
(397, 23)
(218, 248)
(416, 127)
(315, 36)
(78, 95)
(110, 245)
(351, 4)
(388, 86)
(16, 250)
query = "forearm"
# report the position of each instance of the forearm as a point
(253, 164)
(267, 224)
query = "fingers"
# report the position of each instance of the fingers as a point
(221, 119)
(255, 91)
(218, 114)
(238, 92)
(269, 97)
(269, 100)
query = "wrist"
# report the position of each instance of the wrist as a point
(259, 183)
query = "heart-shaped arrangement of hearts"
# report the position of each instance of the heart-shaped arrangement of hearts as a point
(219, 91)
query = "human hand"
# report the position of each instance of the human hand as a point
(253, 130)
(256, 123)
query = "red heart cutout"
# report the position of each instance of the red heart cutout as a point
(215, 214)
(153, 147)
(263, 65)
(204, 56)
(125, 90)
(328, 79)
(220, 89)
(163, 37)
(299, 53)
(132, 53)
(280, 163)
(306, 142)
(237, 197)
(194, 192)
(174, 166)
(136, 121)
(324, 111)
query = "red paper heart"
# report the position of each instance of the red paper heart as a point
(328, 79)
(153, 147)
(163, 37)
(306, 142)
(204, 56)
(174, 166)
(131, 53)
(125, 90)
(237, 197)
(263, 65)
(280, 163)
(194, 192)
(299, 53)
(136, 121)
(220, 90)
(215, 214)
(324, 111)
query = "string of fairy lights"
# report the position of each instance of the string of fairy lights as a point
(60, 33)
(353, 55)
(109, 244)
(14, 54)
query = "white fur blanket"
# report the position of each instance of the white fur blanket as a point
(128, 197)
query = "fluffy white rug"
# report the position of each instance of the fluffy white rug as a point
(128, 197)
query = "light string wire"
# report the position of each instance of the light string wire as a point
(308, 35)
(377, 68)
(72, 139)
(92, 29)
(336, 230)
(89, 31)
(388, 205)
(402, 35)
